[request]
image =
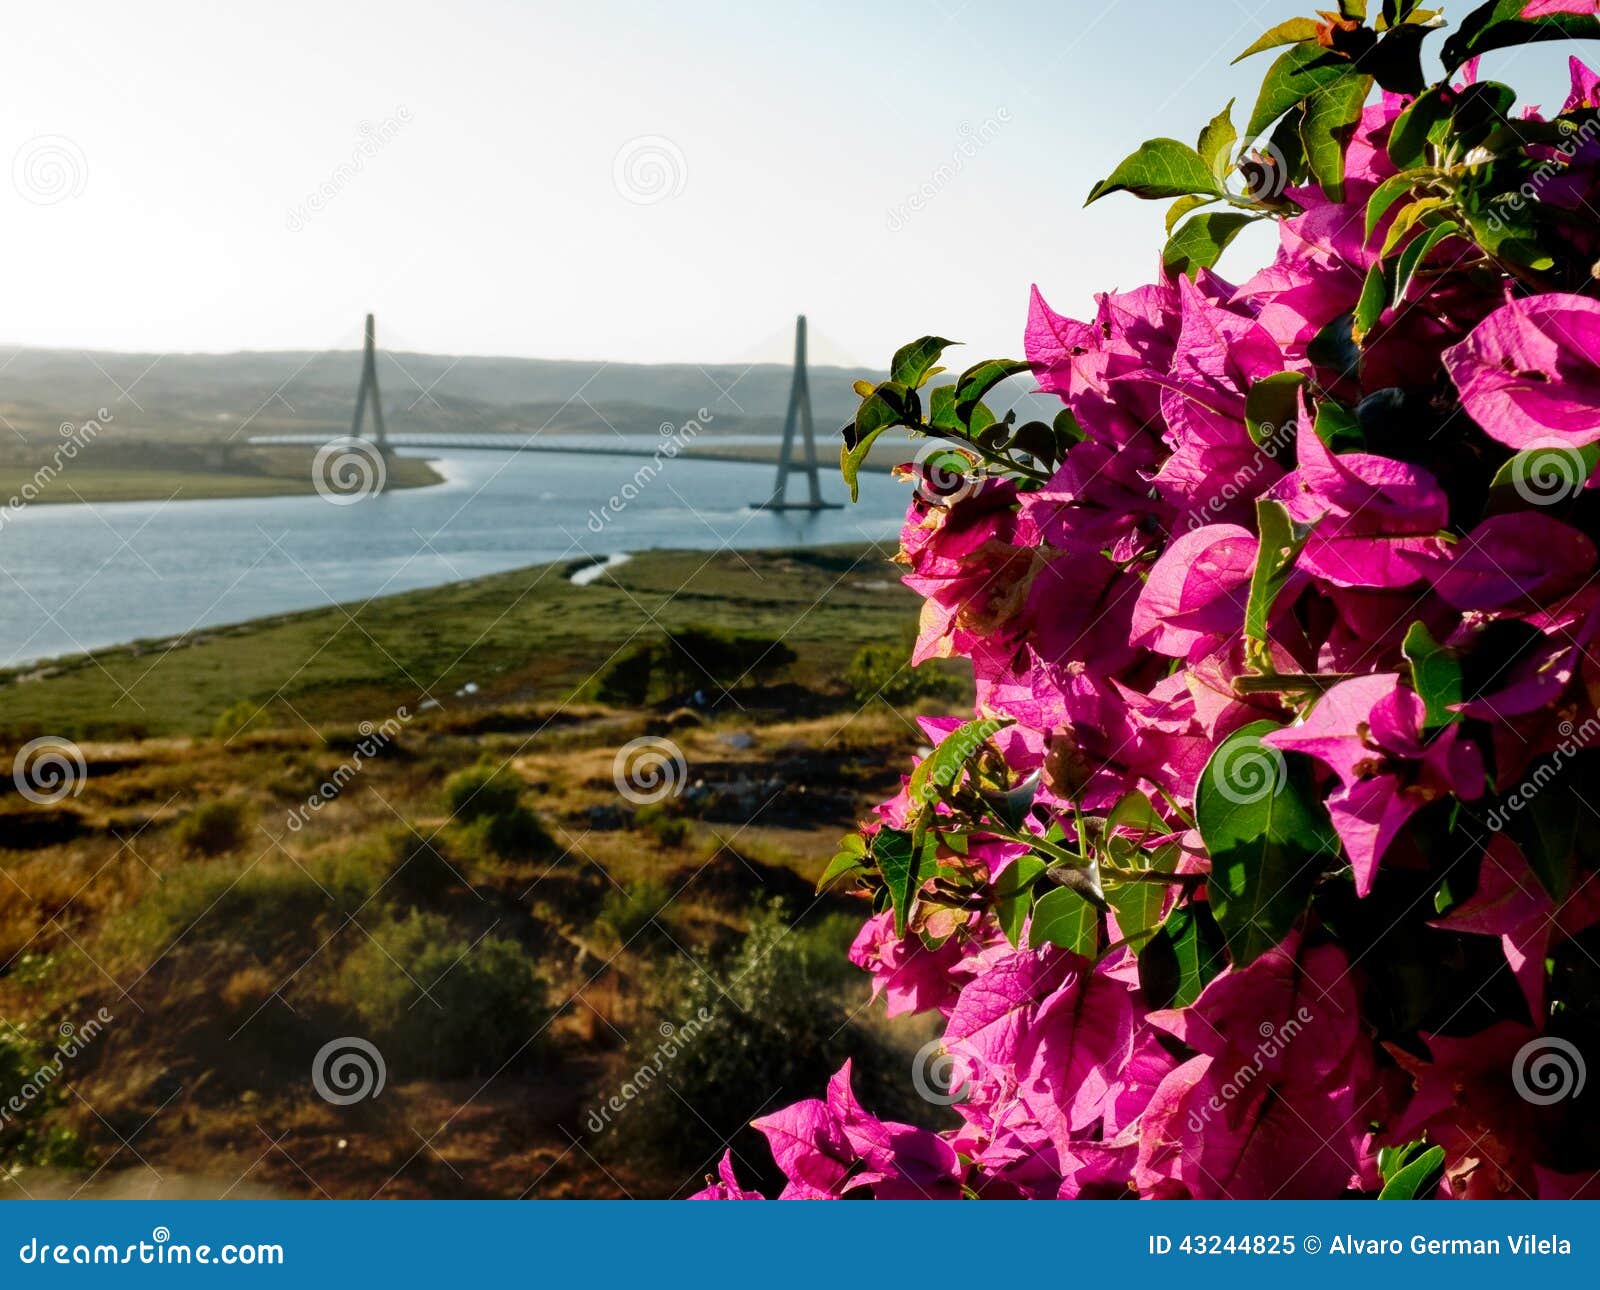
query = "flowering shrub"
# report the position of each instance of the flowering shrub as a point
(1268, 864)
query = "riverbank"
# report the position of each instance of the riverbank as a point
(527, 635)
(124, 472)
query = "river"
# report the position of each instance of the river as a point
(80, 577)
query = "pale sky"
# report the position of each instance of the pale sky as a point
(163, 161)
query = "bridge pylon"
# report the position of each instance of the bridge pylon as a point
(369, 388)
(798, 417)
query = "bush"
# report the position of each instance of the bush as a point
(212, 827)
(884, 673)
(663, 827)
(439, 1005)
(626, 679)
(627, 912)
(265, 908)
(422, 867)
(482, 790)
(780, 1013)
(25, 1136)
(235, 719)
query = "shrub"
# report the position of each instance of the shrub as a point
(235, 719)
(265, 908)
(628, 911)
(883, 673)
(482, 790)
(212, 827)
(625, 681)
(439, 1004)
(779, 1024)
(26, 1136)
(665, 829)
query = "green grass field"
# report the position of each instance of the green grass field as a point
(526, 636)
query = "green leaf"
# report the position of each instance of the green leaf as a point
(1297, 75)
(1418, 1178)
(1339, 428)
(1267, 834)
(1182, 958)
(1281, 540)
(1271, 404)
(1183, 206)
(1407, 219)
(890, 404)
(1435, 676)
(942, 769)
(1202, 240)
(1160, 168)
(1374, 299)
(979, 379)
(1386, 194)
(1414, 129)
(1497, 25)
(1332, 115)
(1215, 145)
(1013, 895)
(1064, 918)
(1137, 813)
(914, 363)
(1541, 477)
(841, 866)
(900, 863)
(1138, 906)
(1285, 33)
(1417, 252)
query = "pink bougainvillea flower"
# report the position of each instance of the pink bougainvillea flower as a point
(727, 1186)
(1550, 8)
(1529, 373)
(899, 1161)
(1376, 521)
(1468, 1101)
(1519, 557)
(1195, 595)
(1511, 903)
(1279, 1099)
(1368, 731)
(811, 1148)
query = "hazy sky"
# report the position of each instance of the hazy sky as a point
(599, 179)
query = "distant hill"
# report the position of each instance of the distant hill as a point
(223, 395)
